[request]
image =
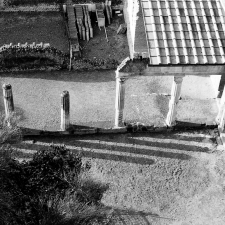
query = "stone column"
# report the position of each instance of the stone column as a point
(1, 3)
(65, 111)
(8, 99)
(175, 96)
(221, 113)
(120, 96)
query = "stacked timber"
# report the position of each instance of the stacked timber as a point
(80, 17)
(107, 9)
(100, 15)
(86, 22)
(89, 22)
(72, 30)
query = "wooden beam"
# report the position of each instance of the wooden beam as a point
(138, 67)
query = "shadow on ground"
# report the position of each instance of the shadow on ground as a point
(71, 76)
(138, 148)
(134, 217)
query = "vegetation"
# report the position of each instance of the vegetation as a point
(33, 2)
(52, 188)
(25, 58)
(36, 2)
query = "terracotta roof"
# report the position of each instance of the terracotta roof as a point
(184, 31)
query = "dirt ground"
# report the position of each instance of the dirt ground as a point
(158, 179)
(48, 27)
(21, 27)
(115, 48)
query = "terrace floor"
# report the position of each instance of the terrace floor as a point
(92, 98)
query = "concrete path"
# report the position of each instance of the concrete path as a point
(92, 95)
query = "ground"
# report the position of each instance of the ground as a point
(158, 179)
(49, 27)
(116, 48)
(92, 98)
(21, 27)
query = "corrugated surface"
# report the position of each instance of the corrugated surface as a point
(184, 32)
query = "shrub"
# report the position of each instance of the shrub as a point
(32, 2)
(51, 189)
(47, 185)
(9, 134)
(26, 58)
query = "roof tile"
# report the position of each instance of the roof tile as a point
(181, 31)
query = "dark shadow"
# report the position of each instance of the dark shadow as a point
(171, 135)
(65, 75)
(92, 154)
(90, 149)
(187, 124)
(180, 147)
(133, 217)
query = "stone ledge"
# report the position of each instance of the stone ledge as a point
(119, 130)
(112, 130)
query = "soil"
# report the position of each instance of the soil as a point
(21, 27)
(98, 47)
(48, 27)
(158, 179)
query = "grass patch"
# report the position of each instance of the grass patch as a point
(52, 188)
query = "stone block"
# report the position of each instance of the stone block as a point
(85, 131)
(219, 141)
(112, 130)
(160, 129)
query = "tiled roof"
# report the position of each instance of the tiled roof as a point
(184, 31)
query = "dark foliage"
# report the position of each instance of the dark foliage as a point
(95, 64)
(52, 172)
(32, 2)
(36, 2)
(15, 58)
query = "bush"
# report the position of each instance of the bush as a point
(47, 185)
(29, 58)
(32, 2)
(94, 64)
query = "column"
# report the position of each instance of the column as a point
(175, 96)
(65, 111)
(221, 113)
(1, 3)
(120, 96)
(8, 99)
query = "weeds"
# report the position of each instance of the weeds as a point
(51, 189)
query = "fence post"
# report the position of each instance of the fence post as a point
(8, 99)
(65, 111)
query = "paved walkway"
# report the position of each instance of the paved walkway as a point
(92, 96)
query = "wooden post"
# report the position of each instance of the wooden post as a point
(8, 99)
(175, 96)
(120, 96)
(65, 111)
